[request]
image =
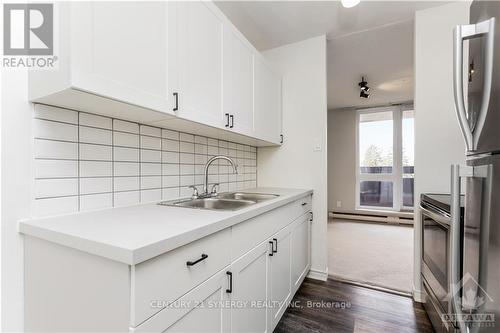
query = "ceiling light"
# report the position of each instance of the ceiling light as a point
(363, 88)
(350, 3)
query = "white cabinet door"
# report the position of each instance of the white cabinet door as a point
(119, 50)
(238, 82)
(279, 285)
(199, 62)
(267, 102)
(249, 291)
(204, 309)
(300, 244)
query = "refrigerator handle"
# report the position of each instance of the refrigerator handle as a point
(455, 249)
(461, 33)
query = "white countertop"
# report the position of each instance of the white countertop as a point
(137, 233)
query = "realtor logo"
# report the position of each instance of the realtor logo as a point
(28, 29)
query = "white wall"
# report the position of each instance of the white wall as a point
(438, 141)
(16, 123)
(296, 164)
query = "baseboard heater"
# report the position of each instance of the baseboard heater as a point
(379, 217)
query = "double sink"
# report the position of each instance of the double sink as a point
(223, 201)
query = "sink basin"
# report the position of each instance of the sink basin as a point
(258, 197)
(211, 203)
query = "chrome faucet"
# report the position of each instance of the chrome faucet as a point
(205, 192)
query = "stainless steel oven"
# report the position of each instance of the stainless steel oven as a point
(436, 257)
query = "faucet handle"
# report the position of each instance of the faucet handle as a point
(195, 191)
(214, 189)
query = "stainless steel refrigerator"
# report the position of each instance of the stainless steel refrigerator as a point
(475, 243)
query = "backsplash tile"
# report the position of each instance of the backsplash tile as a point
(87, 162)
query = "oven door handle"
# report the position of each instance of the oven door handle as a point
(442, 220)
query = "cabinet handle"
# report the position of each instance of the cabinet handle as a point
(232, 121)
(276, 242)
(227, 119)
(304, 203)
(272, 248)
(281, 138)
(230, 290)
(192, 263)
(176, 103)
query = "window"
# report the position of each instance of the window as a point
(385, 158)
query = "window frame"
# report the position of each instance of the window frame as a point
(396, 177)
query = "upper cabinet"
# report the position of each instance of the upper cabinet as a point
(116, 51)
(179, 63)
(238, 82)
(198, 52)
(267, 101)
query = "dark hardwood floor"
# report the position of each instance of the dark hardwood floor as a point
(334, 306)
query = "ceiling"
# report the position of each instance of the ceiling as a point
(374, 38)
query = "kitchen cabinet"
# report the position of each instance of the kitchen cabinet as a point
(279, 276)
(250, 291)
(300, 250)
(238, 82)
(198, 54)
(112, 57)
(267, 101)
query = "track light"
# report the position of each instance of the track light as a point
(364, 89)
(349, 3)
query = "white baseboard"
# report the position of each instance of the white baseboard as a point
(318, 275)
(418, 296)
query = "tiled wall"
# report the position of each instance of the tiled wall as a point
(87, 162)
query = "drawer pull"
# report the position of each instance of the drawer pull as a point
(275, 242)
(304, 203)
(272, 248)
(230, 290)
(192, 263)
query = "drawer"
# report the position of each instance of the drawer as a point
(248, 234)
(165, 278)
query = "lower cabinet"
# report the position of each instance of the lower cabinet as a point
(203, 309)
(300, 250)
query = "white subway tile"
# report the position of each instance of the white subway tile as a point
(200, 139)
(185, 192)
(95, 169)
(223, 179)
(211, 150)
(170, 181)
(200, 149)
(186, 137)
(223, 187)
(231, 145)
(125, 139)
(150, 155)
(150, 195)
(125, 126)
(56, 168)
(200, 159)
(127, 198)
(150, 169)
(170, 169)
(150, 182)
(122, 154)
(187, 180)
(150, 142)
(148, 130)
(222, 144)
(96, 185)
(186, 158)
(170, 193)
(169, 134)
(169, 157)
(126, 169)
(199, 169)
(126, 184)
(56, 114)
(46, 129)
(170, 145)
(186, 147)
(95, 152)
(187, 169)
(96, 201)
(95, 135)
(48, 188)
(55, 149)
(199, 179)
(93, 120)
(213, 142)
(55, 206)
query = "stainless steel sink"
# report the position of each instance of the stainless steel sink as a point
(224, 201)
(211, 203)
(258, 197)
